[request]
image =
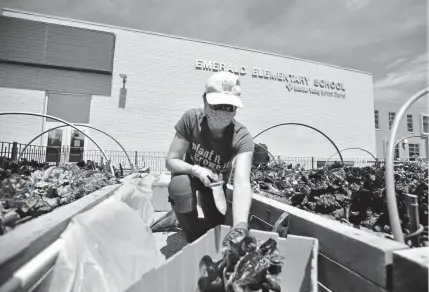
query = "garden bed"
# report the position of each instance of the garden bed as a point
(27, 240)
(353, 195)
(29, 189)
(350, 259)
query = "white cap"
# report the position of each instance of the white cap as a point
(224, 88)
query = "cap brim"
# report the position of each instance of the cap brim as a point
(221, 98)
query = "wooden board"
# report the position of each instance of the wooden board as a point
(410, 270)
(364, 253)
(338, 278)
(27, 240)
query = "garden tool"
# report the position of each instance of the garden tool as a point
(219, 196)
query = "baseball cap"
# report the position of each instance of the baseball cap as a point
(223, 88)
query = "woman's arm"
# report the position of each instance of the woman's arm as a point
(242, 193)
(174, 161)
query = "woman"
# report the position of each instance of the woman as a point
(203, 148)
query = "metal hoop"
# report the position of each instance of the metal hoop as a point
(304, 125)
(78, 125)
(411, 136)
(351, 148)
(67, 123)
(390, 178)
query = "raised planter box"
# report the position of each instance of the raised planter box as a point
(350, 259)
(410, 270)
(29, 239)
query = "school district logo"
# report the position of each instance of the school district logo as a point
(289, 87)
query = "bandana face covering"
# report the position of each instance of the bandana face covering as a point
(218, 118)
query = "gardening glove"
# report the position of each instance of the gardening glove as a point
(236, 244)
(206, 176)
(219, 195)
(236, 234)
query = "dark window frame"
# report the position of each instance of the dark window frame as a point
(397, 151)
(410, 125)
(413, 150)
(392, 116)
(377, 119)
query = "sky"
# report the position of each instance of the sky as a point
(387, 38)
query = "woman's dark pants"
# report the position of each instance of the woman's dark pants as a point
(182, 192)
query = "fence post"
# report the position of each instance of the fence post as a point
(57, 163)
(136, 159)
(14, 150)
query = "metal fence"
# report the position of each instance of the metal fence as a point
(320, 162)
(55, 155)
(154, 160)
(33, 152)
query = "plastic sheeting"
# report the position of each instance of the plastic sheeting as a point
(111, 246)
(136, 193)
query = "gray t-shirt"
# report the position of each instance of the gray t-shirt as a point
(216, 155)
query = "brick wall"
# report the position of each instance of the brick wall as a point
(19, 128)
(163, 82)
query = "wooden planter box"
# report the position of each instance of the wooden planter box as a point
(349, 259)
(410, 270)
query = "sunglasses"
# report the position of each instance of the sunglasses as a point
(223, 107)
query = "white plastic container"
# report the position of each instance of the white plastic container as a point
(180, 273)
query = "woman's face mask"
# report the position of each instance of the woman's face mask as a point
(219, 118)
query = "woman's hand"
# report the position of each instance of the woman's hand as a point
(205, 175)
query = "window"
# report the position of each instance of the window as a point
(397, 151)
(376, 119)
(425, 126)
(410, 123)
(414, 150)
(53, 148)
(69, 107)
(391, 119)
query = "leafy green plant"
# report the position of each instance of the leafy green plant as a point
(30, 189)
(352, 194)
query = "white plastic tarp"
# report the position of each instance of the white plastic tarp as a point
(109, 247)
(137, 193)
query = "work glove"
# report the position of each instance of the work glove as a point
(236, 234)
(219, 195)
(205, 175)
(237, 242)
